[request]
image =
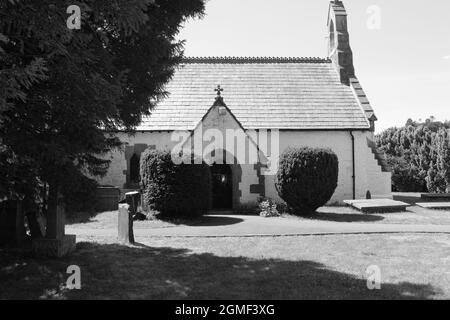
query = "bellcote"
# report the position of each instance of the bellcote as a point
(339, 50)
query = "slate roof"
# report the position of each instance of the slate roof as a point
(262, 93)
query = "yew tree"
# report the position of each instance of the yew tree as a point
(65, 92)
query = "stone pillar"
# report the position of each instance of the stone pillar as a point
(56, 243)
(126, 235)
(126, 213)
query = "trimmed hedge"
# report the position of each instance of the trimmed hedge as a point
(307, 178)
(174, 190)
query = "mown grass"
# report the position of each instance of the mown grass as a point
(314, 267)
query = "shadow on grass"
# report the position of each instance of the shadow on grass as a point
(112, 271)
(213, 221)
(203, 221)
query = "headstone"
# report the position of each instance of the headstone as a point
(56, 243)
(132, 199)
(12, 223)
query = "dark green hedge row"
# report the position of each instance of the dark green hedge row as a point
(174, 190)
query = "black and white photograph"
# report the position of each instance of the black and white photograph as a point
(224, 155)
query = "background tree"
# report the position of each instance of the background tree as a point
(438, 178)
(65, 93)
(418, 155)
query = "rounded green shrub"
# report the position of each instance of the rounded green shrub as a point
(174, 190)
(307, 178)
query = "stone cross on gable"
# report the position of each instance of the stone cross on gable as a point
(219, 99)
(219, 90)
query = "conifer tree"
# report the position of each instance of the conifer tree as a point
(64, 93)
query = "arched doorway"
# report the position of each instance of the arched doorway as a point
(222, 184)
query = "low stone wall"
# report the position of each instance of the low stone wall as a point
(107, 199)
(436, 197)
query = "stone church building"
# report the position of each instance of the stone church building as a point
(274, 104)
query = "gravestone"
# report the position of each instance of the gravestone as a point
(56, 243)
(132, 199)
(12, 223)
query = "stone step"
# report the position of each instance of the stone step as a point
(434, 205)
(378, 205)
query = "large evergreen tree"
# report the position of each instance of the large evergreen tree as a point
(64, 93)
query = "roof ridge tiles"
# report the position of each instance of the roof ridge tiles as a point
(267, 60)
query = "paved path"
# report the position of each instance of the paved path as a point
(247, 226)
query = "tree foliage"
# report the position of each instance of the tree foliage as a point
(419, 155)
(65, 93)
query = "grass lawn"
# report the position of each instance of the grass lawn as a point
(292, 267)
(313, 267)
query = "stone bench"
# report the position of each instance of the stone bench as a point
(378, 205)
(434, 205)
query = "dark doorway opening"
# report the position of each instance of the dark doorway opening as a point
(135, 169)
(222, 183)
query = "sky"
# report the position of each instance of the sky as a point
(401, 48)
